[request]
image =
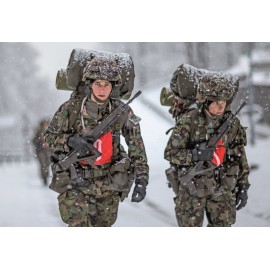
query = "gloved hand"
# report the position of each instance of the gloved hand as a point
(241, 196)
(202, 153)
(79, 144)
(139, 191)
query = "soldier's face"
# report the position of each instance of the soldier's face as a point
(101, 89)
(217, 107)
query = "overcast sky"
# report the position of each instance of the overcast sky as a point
(55, 55)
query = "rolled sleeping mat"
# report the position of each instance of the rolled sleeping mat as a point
(61, 80)
(166, 97)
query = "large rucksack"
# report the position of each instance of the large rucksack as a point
(61, 80)
(68, 79)
(185, 85)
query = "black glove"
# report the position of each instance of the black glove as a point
(202, 153)
(139, 191)
(79, 144)
(241, 196)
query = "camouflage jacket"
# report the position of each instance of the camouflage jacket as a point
(128, 126)
(192, 128)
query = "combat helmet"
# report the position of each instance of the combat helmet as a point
(215, 86)
(102, 68)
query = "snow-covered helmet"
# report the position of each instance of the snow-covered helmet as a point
(102, 68)
(217, 86)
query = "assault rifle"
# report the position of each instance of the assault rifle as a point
(90, 137)
(202, 167)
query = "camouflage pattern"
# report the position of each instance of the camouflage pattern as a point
(220, 211)
(79, 58)
(89, 207)
(194, 127)
(187, 81)
(42, 150)
(102, 68)
(217, 86)
(190, 86)
(127, 126)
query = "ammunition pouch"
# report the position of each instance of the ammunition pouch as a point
(229, 177)
(119, 175)
(131, 179)
(202, 186)
(61, 180)
(172, 178)
(94, 173)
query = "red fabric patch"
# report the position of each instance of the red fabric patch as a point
(104, 146)
(219, 153)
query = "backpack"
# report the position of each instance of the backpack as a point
(69, 79)
(61, 80)
(185, 86)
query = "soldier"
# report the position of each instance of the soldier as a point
(42, 150)
(94, 202)
(222, 190)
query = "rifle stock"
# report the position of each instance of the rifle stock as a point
(73, 157)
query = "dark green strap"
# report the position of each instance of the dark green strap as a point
(74, 110)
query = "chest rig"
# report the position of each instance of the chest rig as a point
(202, 129)
(82, 120)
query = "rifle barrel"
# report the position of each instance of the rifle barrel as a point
(135, 96)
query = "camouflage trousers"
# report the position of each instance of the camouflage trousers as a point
(220, 211)
(89, 207)
(44, 163)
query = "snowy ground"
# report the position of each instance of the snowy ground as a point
(25, 202)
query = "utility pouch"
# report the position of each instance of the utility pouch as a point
(118, 175)
(61, 181)
(200, 186)
(131, 179)
(204, 187)
(172, 178)
(229, 178)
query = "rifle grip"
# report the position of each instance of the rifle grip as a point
(93, 151)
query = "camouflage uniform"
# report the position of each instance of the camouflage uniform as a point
(216, 189)
(95, 202)
(42, 150)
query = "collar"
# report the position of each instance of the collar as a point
(93, 110)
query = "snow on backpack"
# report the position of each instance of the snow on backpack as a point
(69, 78)
(185, 88)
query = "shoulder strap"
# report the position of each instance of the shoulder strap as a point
(73, 111)
(194, 114)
